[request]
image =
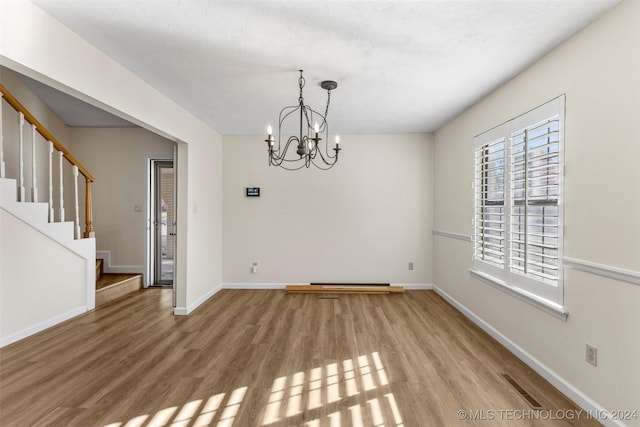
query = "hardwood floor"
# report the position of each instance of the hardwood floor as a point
(266, 358)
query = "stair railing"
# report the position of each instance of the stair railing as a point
(54, 147)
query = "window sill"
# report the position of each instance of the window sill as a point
(547, 306)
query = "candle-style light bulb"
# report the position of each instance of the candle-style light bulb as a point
(269, 130)
(337, 140)
(316, 128)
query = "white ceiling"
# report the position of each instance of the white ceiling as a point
(401, 66)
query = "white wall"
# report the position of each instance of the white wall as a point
(33, 43)
(42, 283)
(117, 158)
(598, 70)
(362, 221)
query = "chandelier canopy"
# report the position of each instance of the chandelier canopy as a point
(309, 146)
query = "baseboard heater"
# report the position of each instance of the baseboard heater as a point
(344, 288)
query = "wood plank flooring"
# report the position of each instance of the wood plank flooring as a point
(266, 358)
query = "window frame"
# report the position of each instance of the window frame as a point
(550, 295)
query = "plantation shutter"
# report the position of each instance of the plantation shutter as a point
(490, 202)
(534, 215)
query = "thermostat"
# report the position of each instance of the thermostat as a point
(253, 191)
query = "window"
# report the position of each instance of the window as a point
(518, 211)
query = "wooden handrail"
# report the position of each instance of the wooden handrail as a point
(11, 100)
(44, 132)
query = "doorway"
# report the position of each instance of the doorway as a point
(162, 221)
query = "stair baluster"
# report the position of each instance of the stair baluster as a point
(88, 209)
(51, 214)
(1, 140)
(34, 166)
(75, 198)
(21, 191)
(60, 157)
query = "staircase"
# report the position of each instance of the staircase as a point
(47, 268)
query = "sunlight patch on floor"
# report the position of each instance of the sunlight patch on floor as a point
(356, 416)
(187, 413)
(232, 408)
(162, 418)
(314, 398)
(333, 383)
(394, 409)
(294, 406)
(324, 385)
(288, 396)
(209, 411)
(137, 421)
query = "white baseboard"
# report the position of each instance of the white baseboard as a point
(253, 286)
(41, 326)
(185, 311)
(118, 269)
(577, 396)
(409, 287)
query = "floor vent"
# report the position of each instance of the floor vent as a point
(522, 392)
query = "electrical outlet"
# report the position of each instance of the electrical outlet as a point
(410, 266)
(254, 268)
(591, 355)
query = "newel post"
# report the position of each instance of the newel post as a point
(88, 211)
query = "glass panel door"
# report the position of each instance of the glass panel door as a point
(164, 221)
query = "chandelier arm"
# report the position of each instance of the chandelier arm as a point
(278, 157)
(284, 162)
(324, 160)
(325, 166)
(291, 169)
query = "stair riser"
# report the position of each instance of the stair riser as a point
(118, 290)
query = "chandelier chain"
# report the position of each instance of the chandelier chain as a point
(326, 110)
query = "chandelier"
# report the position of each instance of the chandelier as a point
(309, 147)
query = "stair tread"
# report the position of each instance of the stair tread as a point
(109, 279)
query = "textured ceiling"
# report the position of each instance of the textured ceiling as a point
(401, 66)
